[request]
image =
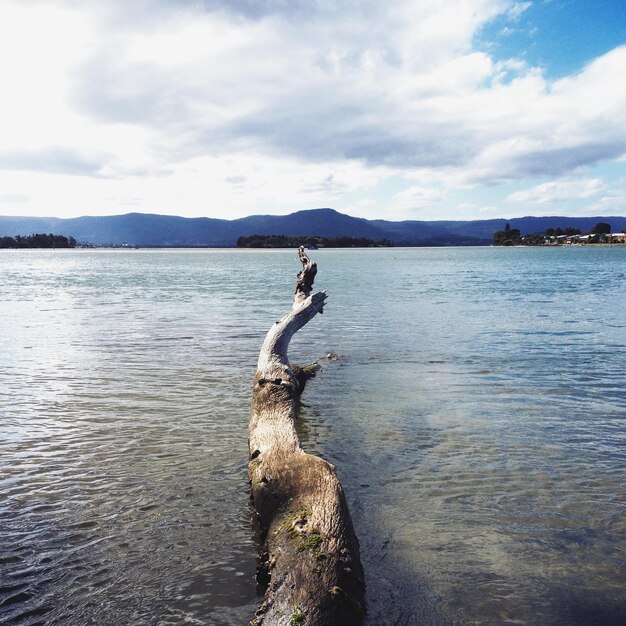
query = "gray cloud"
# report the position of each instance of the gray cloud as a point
(259, 9)
(57, 160)
(317, 123)
(236, 180)
(14, 198)
(327, 186)
(327, 83)
(112, 90)
(556, 161)
(255, 9)
(337, 137)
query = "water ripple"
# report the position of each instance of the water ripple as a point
(476, 419)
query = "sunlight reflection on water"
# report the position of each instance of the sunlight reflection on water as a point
(476, 418)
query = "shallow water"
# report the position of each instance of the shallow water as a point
(476, 417)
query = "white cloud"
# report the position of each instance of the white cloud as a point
(517, 9)
(230, 107)
(417, 197)
(559, 190)
(39, 45)
(239, 185)
(611, 202)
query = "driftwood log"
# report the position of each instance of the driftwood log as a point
(310, 555)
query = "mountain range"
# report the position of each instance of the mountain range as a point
(144, 229)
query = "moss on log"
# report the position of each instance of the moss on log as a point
(310, 552)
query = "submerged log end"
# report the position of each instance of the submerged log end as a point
(312, 552)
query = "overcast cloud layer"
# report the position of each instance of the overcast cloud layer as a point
(231, 108)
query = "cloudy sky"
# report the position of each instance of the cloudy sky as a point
(411, 109)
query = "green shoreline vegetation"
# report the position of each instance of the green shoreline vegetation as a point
(38, 240)
(285, 241)
(599, 234)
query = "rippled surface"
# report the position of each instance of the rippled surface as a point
(476, 418)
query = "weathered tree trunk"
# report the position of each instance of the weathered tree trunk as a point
(310, 550)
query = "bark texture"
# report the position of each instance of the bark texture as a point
(310, 551)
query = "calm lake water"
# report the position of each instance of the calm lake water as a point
(476, 416)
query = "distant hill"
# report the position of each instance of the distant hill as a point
(144, 229)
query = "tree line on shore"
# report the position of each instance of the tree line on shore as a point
(38, 240)
(285, 241)
(600, 233)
